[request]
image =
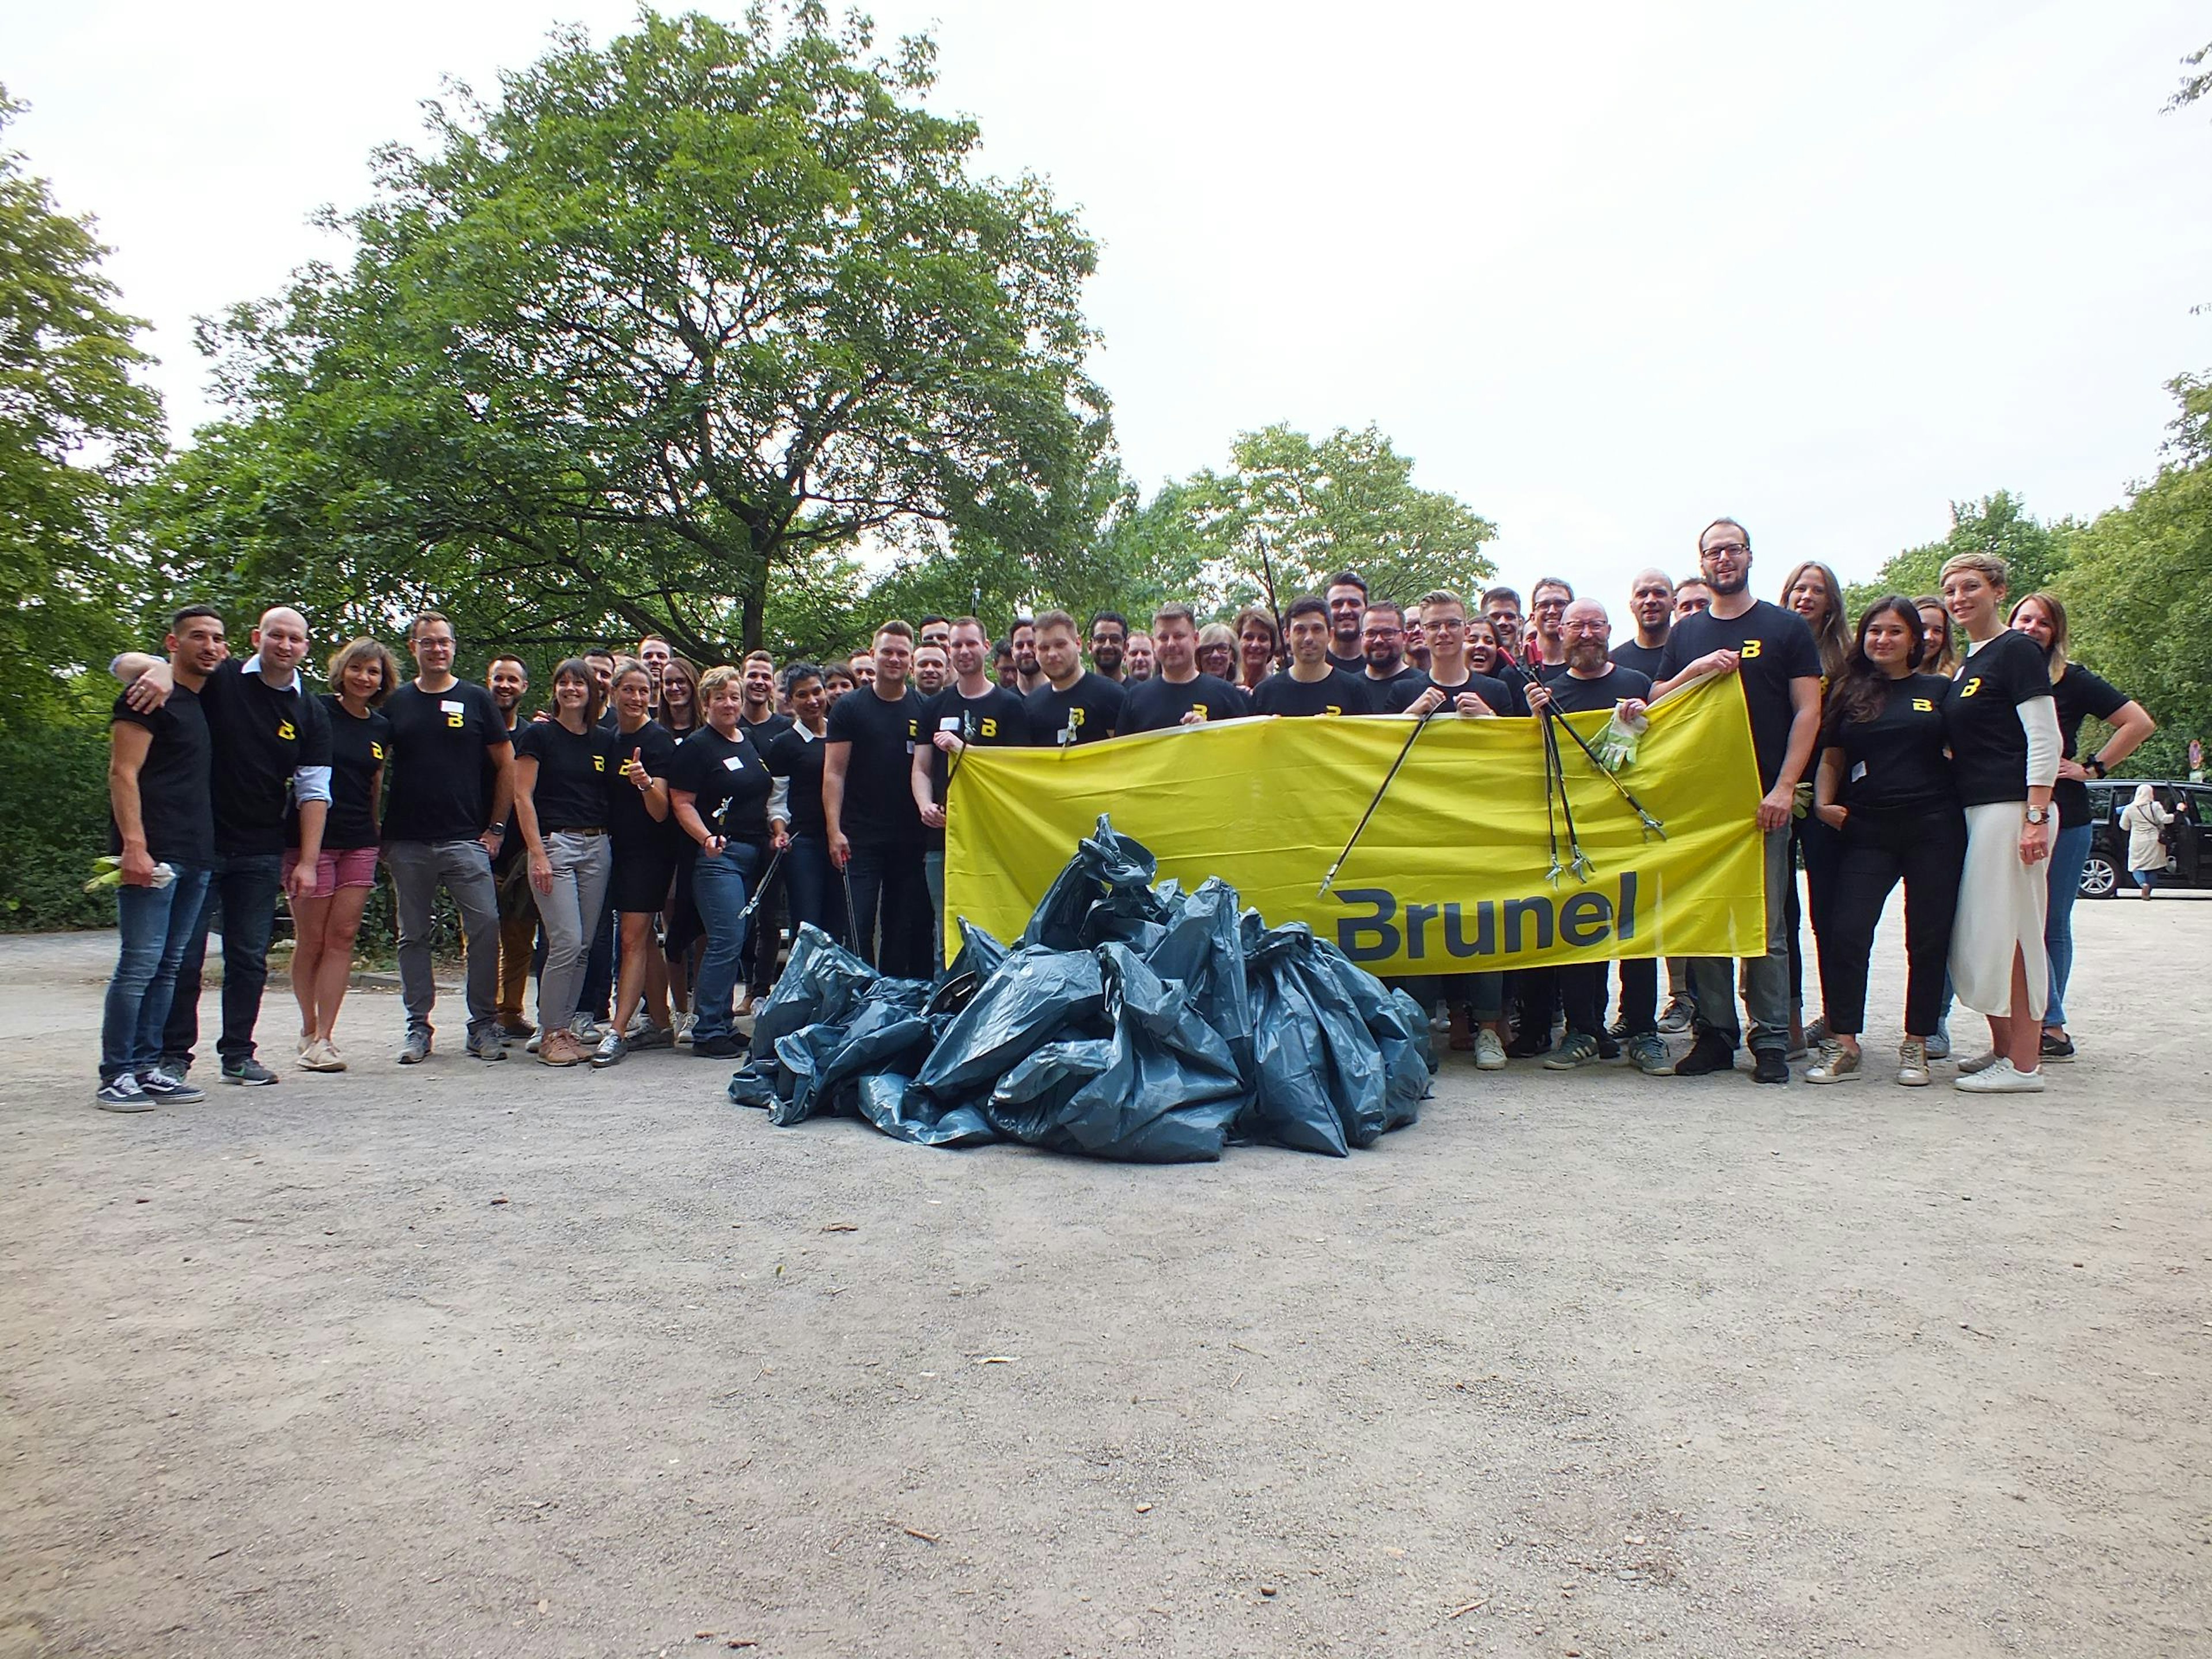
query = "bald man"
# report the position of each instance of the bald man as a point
(1651, 607)
(272, 750)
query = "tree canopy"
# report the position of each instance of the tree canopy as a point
(668, 328)
(77, 428)
(2033, 551)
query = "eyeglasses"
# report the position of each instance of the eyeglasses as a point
(1384, 633)
(1726, 550)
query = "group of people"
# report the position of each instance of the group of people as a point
(639, 838)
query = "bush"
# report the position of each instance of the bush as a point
(53, 823)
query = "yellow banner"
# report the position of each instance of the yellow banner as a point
(1450, 875)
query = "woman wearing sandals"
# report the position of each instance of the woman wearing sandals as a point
(1883, 786)
(642, 834)
(561, 769)
(2003, 724)
(325, 926)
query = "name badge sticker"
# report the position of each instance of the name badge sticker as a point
(451, 705)
(734, 762)
(949, 723)
(1858, 771)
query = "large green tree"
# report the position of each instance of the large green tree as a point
(2035, 552)
(76, 428)
(667, 327)
(1310, 508)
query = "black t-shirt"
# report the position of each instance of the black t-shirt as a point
(261, 735)
(439, 788)
(998, 720)
(878, 807)
(2079, 693)
(1776, 648)
(1090, 711)
(797, 756)
(357, 751)
(1390, 694)
(1504, 697)
(764, 732)
(633, 827)
(1356, 664)
(1338, 694)
(574, 770)
(1158, 704)
(1989, 745)
(174, 806)
(727, 776)
(1895, 761)
(1571, 695)
(1643, 659)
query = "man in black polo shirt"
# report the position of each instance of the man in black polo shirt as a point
(271, 746)
(158, 789)
(450, 780)
(1177, 694)
(1346, 594)
(1771, 651)
(1312, 684)
(972, 710)
(1074, 705)
(867, 805)
(1392, 681)
(1591, 682)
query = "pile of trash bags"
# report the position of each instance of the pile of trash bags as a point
(1131, 1020)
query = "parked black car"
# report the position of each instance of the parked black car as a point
(2188, 839)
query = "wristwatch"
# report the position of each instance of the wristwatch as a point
(2096, 767)
(2038, 815)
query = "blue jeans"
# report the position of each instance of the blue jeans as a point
(817, 893)
(244, 890)
(157, 923)
(719, 884)
(2070, 851)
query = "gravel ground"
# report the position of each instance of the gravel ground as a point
(465, 1359)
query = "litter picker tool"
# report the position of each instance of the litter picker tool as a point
(1326, 881)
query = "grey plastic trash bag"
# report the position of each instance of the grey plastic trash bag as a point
(1109, 868)
(905, 1111)
(821, 980)
(1170, 1088)
(1023, 1003)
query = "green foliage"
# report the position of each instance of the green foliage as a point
(2034, 552)
(656, 340)
(53, 823)
(1347, 501)
(76, 428)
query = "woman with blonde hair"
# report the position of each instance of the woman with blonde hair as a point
(1814, 594)
(326, 925)
(2078, 694)
(2002, 723)
(1216, 652)
(2145, 820)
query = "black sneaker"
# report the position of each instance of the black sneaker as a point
(1528, 1047)
(247, 1074)
(2057, 1048)
(1710, 1053)
(158, 1085)
(1609, 1045)
(1768, 1066)
(123, 1094)
(719, 1047)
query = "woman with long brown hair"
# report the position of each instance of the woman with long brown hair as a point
(562, 767)
(678, 708)
(1812, 592)
(2078, 694)
(1939, 652)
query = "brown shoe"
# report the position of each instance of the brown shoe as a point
(559, 1049)
(1462, 1038)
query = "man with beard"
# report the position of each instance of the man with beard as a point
(1651, 604)
(1392, 682)
(271, 746)
(1346, 594)
(969, 711)
(1771, 651)
(933, 667)
(868, 808)
(1312, 684)
(1028, 675)
(1110, 639)
(1178, 695)
(1591, 682)
(1138, 658)
(1074, 705)
(1547, 649)
(509, 682)
(1502, 605)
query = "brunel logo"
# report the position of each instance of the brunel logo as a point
(1509, 928)
(285, 732)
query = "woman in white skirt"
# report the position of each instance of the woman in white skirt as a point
(2002, 726)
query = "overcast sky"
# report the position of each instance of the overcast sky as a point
(1604, 271)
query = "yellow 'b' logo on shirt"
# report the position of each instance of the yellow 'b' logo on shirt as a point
(990, 727)
(376, 752)
(1924, 705)
(285, 732)
(1970, 687)
(1751, 646)
(1075, 717)
(455, 718)
(599, 763)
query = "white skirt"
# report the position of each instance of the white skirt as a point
(2002, 905)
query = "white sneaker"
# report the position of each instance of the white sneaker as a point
(1999, 1078)
(684, 1025)
(1489, 1052)
(1912, 1063)
(1980, 1062)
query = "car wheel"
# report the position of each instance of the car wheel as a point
(2099, 878)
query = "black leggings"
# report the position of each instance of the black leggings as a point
(1927, 849)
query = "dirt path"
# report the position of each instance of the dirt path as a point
(468, 1360)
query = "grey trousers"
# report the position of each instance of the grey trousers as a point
(418, 868)
(570, 915)
(1765, 979)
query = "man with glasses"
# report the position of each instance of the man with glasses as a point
(1771, 651)
(1110, 639)
(1392, 682)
